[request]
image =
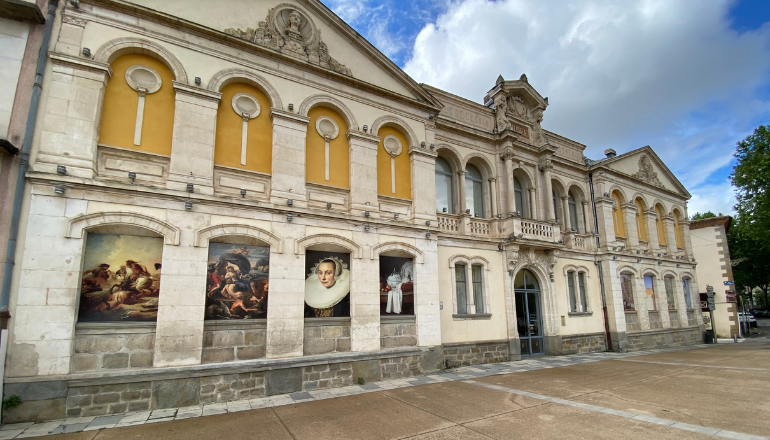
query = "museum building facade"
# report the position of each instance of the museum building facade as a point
(223, 205)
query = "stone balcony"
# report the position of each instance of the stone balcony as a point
(517, 228)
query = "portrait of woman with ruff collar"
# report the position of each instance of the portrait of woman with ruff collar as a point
(327, 286)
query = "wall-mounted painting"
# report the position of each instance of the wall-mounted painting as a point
(237, 281)
(396, 286)
(327, 286)
(121, 280)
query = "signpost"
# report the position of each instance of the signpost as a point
(711, 307)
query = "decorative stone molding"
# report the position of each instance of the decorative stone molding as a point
(572, 267)
(289, 30)
(81, 63)
(228, 76)
(507, 154)
(545, 164)
(74, 21)
(466, 259)
(626, 269)
(533, 259)
(647, 173)
(331, 102)
(203, 236)
(389, 120)
(121, 46)
(396, 246)
(78, 225)
(311, 240)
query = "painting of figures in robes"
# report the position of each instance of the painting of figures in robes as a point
(121, 278)
(327, 284)
(396, 286)
(237, 281)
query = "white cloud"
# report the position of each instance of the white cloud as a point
(669, 74)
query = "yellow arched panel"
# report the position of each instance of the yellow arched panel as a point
(641, 227)
(119, 109)
(678, 231)
(339, 156)
(259, 143)
(617, 218)
(661, 231)
(403, 173)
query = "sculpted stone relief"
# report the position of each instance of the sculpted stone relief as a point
(647, 173)
(290, 31)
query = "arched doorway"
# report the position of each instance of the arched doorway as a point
(528, 316)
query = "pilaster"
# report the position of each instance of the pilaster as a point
(650, 217)
(365, 296)
(669, 229)
(363, 172)
(546, 166)
(288, 168)
(426, 307)
(629, 218)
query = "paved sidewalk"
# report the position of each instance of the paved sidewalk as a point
(85, 424)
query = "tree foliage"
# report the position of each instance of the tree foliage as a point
(702, 215)
(749, 236)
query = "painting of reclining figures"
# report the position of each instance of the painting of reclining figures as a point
(237, 281)
(121, 278)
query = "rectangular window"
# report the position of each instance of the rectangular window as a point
(573, 217)
(669, 282)
(687, 300)
(649, 287)
(571, 286)
(478, 292)
(520, 202)
(582, 286)
(462, 296)
(626, 286)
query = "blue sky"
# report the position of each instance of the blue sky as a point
(690, 78)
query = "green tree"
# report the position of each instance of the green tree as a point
(702, 215)
(749, 239)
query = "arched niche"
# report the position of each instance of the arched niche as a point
(113, 49)
(128, 223)
(329, 243)
(332, 103)
(234, 75)
(244, 234)
(396, 249)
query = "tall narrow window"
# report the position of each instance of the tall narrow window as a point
(519, 193)
(649, 288)
(555, 205)
(571, 287)
(582, 288)
(478, 292)
(686, 286)
(626, 286)
(462, 295)
(669, 282)
(573, 215)
(444, 187)
(474, 191)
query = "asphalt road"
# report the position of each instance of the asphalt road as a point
(692, 394)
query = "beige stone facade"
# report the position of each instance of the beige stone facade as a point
(519, 198)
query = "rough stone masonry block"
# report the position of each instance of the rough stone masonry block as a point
(35, 410)
(369, 371)
(283, 381)
(432, 359)
(176, 393)
(115, 360)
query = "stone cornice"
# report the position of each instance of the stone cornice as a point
(419, 151)
(80, 63)
(361, 136)
(196, 91)
(288, 116)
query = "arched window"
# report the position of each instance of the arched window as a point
(640, 227)
(659, 225)
(555, 205)
(474, 191)
(649, 288)
(573, 213)
(526, 280)
(572, 292)
(617, 216)
(470, 286)
(627, 290)
(444, 187)
(519, 194)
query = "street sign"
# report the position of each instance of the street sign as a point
(729, 283)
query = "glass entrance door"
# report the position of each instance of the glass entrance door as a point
(528, 317)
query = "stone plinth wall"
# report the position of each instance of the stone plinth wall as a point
(225, 342)
(326, 335)
(327, 376)
(117, 347)
(398, 333)
(673, 318)
(632, 322)
(691, 319)
(655, 322)
(466, 354)
(664, 338)
(587, 343)
(108, 399)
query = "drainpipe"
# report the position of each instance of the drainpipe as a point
(599, 265)
(26, 146)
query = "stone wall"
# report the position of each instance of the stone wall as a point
(466, 354)
(398, 333)
(218, 389)
(664, 338)
(108, 399)
(655, 322)
(673, 318)
(223, 342)
(587, 343)
(327, 376)
(692, 320)
(401, 367)
(632, 322)
(98, 349)
(326, 335)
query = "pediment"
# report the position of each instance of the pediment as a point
(304, 30)
(645, 166)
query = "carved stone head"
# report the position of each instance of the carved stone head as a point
(295, 20)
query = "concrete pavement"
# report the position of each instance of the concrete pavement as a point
(705, 392)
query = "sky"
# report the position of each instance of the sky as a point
(689, 78)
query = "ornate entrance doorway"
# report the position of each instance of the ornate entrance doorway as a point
(528, 316)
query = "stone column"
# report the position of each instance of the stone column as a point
(685, 225)
(511, 255)
(70, 110)
(662, 297)
(426, 307)
(510, 189)
(632, 233)
(288, 168)
(179, 331)
(566, 221)
(532, 203)
(652, 229)
(604, 211)
(363, 171)
(587, 226)
(546, 166)
(461, 180)
(670, 231)
(192, 143)
(423, 168)
(493, 196)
